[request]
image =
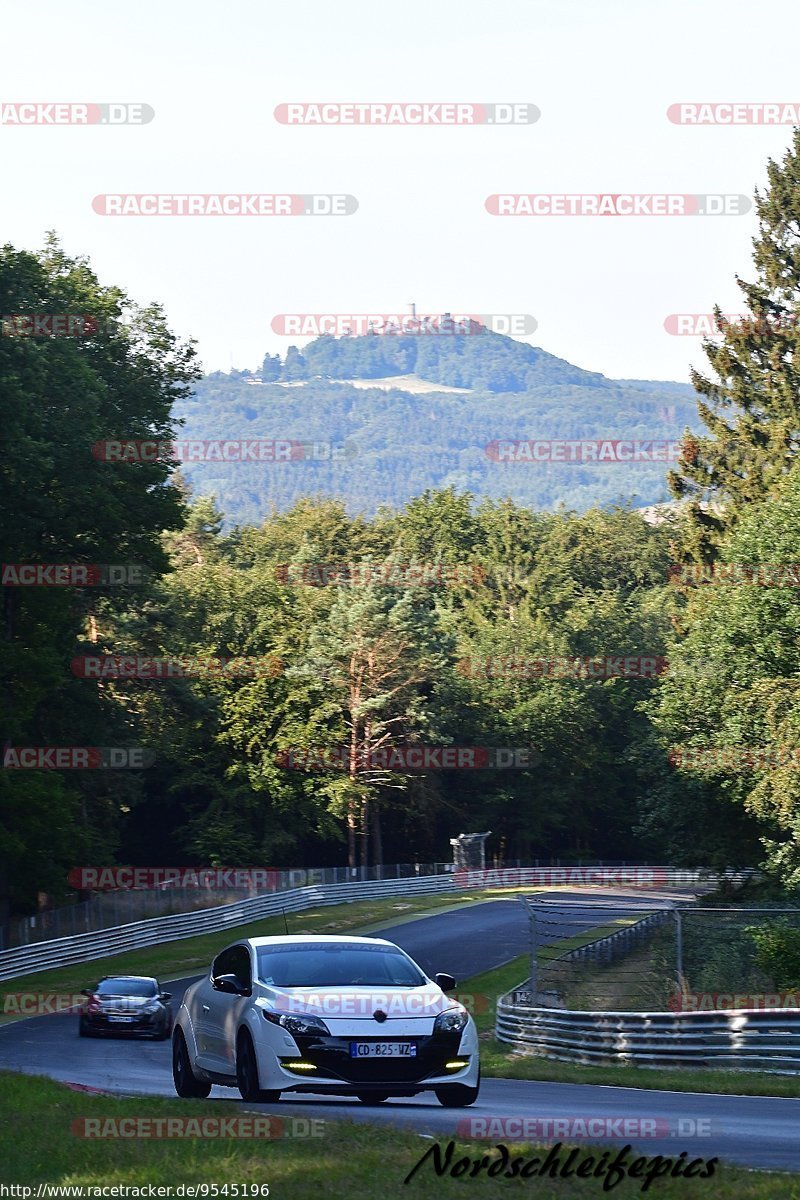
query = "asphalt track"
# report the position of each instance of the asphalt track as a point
(752, 1131)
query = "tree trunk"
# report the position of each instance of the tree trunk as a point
(365, 823)
(351, 834)
(377, 835)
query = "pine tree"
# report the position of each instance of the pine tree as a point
(751, 407)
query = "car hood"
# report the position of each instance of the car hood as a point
(358, 1002)
(128, 1004)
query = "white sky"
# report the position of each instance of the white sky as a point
(603, 75)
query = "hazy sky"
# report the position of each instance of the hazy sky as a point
(602, 74)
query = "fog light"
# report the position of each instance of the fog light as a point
(299, 1066)
(456, 1065)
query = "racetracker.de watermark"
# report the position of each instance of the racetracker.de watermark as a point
(419, 1002)
(734, 112)
(408, 758)
(403, 324)
(48, 112)
(40, 1004)
(106, 879)
(43, 324)
(593, 451)
(587, 1127)
(707, 325)
(73, 574)
(139, 666)
(227, 450)
(77, 758)
(262, 1128)
(406, 112)
(728, 1001)
(643, 877)
(519, 667)
(224, 204)
(615, 204)
(734, 758)
(736, 574)
(390, 574)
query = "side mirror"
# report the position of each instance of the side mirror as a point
(444, 981)
(166, 995)
(230, 985)
(87, 992)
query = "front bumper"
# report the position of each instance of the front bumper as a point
(140, 1023)
(335, 1070)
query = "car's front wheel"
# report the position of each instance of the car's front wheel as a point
(458, 1095)
(247, 1072)
(83, 1028)
(186, 1082)
(162, 1033)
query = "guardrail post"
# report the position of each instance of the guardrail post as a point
(679, 946)
(529, 905)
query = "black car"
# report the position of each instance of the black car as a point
(127, 1004)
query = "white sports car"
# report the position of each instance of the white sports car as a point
(336, 1015)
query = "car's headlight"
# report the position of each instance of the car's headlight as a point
(452, 1021)
(151, 1007)
(301, 1025)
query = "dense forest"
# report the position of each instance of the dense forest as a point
(388, 445)
(453, 619)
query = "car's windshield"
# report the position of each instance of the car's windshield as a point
(126, 987)
(336, 964)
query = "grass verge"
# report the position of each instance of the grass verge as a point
(348, 1160)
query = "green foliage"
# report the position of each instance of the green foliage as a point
(59, 504)
(779, 953)
(750, 405)
(734, 685)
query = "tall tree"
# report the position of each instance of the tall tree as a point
(750, 405)
(58, 504)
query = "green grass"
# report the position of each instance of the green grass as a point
(499, 1061)
(348, 1162)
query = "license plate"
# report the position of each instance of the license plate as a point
(383, 1050)
(118, 1020)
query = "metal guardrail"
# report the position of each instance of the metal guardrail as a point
(747, 1039)
(111, 906)
(83, 947)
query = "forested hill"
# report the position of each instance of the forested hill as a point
(480, 359)
(382, 404)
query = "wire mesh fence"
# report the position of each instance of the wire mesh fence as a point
(653, 955)
(121, 906)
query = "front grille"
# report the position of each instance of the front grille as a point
(332, 1057)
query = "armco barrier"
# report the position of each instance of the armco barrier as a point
(83, 947)
(616, 945)
(749, 1039)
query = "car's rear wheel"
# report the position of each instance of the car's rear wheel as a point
(458, 1095)
(247, 1072)
(186, 1082)
(372, 1097)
